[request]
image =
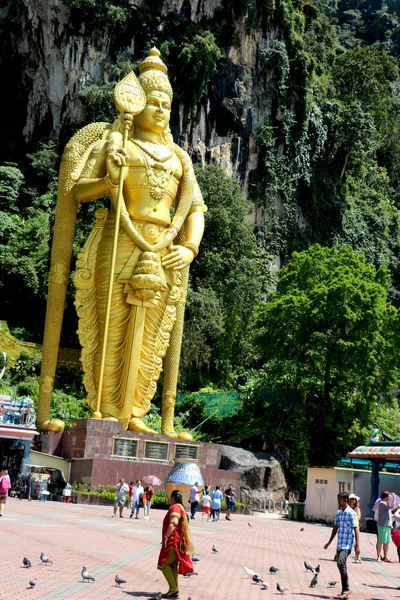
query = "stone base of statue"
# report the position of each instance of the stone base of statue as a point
(101, 453)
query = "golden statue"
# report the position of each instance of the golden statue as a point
(132, 272)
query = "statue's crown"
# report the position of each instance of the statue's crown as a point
(153, 73)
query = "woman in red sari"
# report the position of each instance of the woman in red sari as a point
(177, 546)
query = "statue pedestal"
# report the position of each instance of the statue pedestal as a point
(101, 453)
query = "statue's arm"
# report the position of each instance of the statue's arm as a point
(194, 228)
(102, 170)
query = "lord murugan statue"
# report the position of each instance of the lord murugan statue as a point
(132, 272)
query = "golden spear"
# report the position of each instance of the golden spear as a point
(130, 99)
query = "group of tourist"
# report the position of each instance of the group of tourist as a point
(134, 496)
(211, 502)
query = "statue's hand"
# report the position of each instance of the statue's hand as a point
(117, 161)
(179, 258)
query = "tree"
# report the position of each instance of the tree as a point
(328, 331)
(226, 281)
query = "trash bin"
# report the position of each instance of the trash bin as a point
(296, 511)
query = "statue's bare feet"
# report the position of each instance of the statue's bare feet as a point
(136, 424)
(183, 435)
(52, 425)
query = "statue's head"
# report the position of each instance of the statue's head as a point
(155, 83)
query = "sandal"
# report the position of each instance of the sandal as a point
(170, 595)
(387, 560)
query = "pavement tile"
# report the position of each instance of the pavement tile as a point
(76, 535)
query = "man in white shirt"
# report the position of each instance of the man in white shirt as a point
(121, 490)
(194, 499)
(137, 495)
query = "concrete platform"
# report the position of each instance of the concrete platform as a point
(76, 535)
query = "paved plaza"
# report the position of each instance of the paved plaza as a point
(76, 535)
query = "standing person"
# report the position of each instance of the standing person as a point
(385, 520)
(30, 486)
(177, 546)
(396, 531)
(348, 532)
(121, 489)
(354, 503)
(206, 501)
(137, 496)
(230, 498)
(131, 484)
(147, 496)
(5, 484)
(194, 499)
(216, 499)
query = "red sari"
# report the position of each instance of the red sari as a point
(180, 540)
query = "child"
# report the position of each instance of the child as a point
(206, 500)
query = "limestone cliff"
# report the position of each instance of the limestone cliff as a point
(46, 61)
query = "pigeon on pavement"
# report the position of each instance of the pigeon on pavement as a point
(308, 567)
(249, 572)
(45, 560)
(249, 524)
(214, 549)
(302, 529)
(32, 583)
(281, 589)
(318, 568)
(314, 580)
(332, 583)
(86, 576)
(118, 581)
(264, 584)
(27, 563)
(195, 559)
(157, 596)
(273, 569)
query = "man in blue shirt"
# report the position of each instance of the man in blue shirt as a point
(346, 527)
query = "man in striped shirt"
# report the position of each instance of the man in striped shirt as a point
(346, 527)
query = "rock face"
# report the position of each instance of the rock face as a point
(45, 63)
(262, 475)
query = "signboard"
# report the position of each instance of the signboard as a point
(125, 447)
(186, 451)
(156, 450)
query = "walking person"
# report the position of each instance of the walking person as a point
(137, 497)
(230, 499)
(194, 499)
(121, 489)
(5, 484)
(385, 519)
(206, 501)
(147, 496)
(216, 499)
(348, 536)
(354, 503)
(177, 546)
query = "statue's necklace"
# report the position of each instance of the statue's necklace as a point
(153, 151)
(157, 173)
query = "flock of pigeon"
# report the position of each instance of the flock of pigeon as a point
(273, 570)
(86, 577)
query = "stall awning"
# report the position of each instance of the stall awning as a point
(17, 433)
(370, 452)
(367, 462)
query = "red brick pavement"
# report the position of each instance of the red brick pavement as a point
(75, 535)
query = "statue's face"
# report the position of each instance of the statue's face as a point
(156, 114)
